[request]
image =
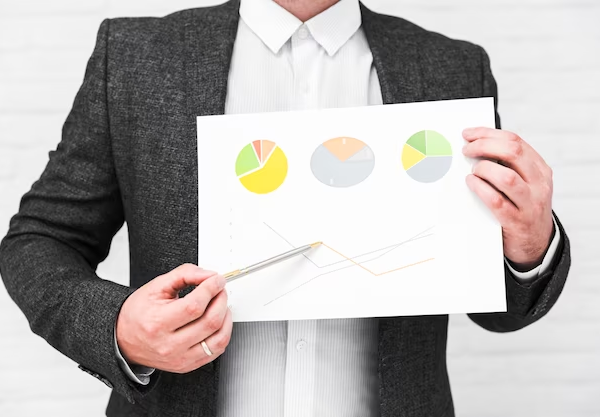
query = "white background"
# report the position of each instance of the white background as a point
(546, 58)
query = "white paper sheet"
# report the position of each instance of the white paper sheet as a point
(397, 241)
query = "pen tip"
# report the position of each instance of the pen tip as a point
(314, 245)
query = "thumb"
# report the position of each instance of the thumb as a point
(183, 276)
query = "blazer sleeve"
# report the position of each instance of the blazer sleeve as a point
(63, 230)
(526, 303)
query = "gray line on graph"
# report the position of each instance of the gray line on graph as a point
(415, 237)
(306, 282)
(390, 248)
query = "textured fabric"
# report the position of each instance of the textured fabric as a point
(128, 153)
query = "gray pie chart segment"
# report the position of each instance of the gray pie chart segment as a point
(331, 171)
(430, 169)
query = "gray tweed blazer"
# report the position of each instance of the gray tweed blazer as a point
(128, 154)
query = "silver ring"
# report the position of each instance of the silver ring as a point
(206, 349)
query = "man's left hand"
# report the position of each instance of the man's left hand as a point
(517, 189)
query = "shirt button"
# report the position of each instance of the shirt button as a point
(301, 345)
(303, 33)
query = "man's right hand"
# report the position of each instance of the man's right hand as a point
(156, 328)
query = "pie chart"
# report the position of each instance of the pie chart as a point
(261, 166)
(342, 162)
(427, 156)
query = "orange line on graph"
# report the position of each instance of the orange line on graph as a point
(368, 270)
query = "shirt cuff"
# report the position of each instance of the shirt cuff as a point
(137, 373)
(526, 277)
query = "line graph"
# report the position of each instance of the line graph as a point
(354, 263)
(389, 248)
(377, 274)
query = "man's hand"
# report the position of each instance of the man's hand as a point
(518, 190)
(157, 329)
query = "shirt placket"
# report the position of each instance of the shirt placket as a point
(300, 368)
(301, 341)
(305, 51)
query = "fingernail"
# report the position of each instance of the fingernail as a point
(464, 148)
(468, 131)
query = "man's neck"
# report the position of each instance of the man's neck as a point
(305, 9)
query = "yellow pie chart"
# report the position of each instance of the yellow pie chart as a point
(261, 166)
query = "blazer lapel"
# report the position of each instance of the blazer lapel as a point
(209, 34)
(209, 37)
(395, 56)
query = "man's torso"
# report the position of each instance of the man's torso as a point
(161, 74)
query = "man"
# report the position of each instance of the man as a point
(128, 153)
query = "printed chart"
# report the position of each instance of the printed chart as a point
(342, 162)
(391, 244)
(261, 166)
(427, 156)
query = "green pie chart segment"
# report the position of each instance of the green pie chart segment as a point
(246, 160)
(418, 141)
(436, 144)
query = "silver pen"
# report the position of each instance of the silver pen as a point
(233, 275)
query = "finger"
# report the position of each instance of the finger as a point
(201, 328)
(473, 133)
(502, 208)
(505, 180)
(216, 343)
(196, 357)
(514, 153)
(189, 308)
(183, 276)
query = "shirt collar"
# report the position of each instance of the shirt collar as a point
(274, 25)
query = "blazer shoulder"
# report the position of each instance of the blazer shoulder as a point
(165, 30)
(140, 31)
(429, 42)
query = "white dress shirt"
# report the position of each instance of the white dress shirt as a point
(316, 368)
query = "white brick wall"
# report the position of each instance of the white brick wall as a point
(546, 57)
